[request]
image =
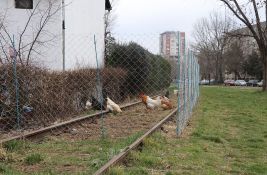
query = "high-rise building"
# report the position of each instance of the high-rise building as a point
(172, 44)
(172, 47)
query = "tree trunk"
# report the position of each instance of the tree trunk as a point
(217, 70)
(220, 71)
(220, 74)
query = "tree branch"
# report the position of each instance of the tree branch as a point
(258, 23)
(25, 28)
(45, 17)
(242, 18)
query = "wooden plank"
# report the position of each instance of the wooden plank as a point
(46, 129)
(126, 150)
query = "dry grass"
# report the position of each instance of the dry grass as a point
(3, 154)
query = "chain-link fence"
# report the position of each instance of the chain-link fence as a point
(109, 75)
(188, 88)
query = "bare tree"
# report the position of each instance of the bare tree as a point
(209, 34)
(251, 13)
(110, 18)
(39, 17)
(206, 63)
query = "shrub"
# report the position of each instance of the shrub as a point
(52, 95)
(160, 73)
(133, 59)
(146, 72)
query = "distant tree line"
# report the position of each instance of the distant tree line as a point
(221, 51)
(249, 13)
(242, 65)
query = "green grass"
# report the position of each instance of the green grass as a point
(14, 145)
(172, 87)
(229, 136)
(58, 156)
(33, 159)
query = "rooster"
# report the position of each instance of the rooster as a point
(112, 106)
(149, 102)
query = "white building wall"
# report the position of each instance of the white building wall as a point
(48, 53)
(84, 19)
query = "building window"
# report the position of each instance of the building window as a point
(24, 4)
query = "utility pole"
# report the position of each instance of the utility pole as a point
(63, 36)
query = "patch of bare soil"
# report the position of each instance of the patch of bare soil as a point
(169, 128)
(132, 120)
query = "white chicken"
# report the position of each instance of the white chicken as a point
(88, 104)
(149, 102)
(112, 106)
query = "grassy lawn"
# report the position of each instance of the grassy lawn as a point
(227, 135)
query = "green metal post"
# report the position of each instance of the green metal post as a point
(178, 129)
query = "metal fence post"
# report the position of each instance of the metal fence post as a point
(13, 55)
(178, 120)
(98, 77)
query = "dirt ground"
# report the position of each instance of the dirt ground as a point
(132, 120)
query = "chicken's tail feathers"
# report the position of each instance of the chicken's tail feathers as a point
(166, 104)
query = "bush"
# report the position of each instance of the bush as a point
(159, 75)
(52, 95)
(146, 72)
(133, 59)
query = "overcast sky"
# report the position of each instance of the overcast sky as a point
(157, 16)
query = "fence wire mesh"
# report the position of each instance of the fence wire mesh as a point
(106, 77)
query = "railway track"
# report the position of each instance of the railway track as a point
(35, 133)
(119, 157)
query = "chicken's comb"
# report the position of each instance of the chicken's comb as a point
(141, 94)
